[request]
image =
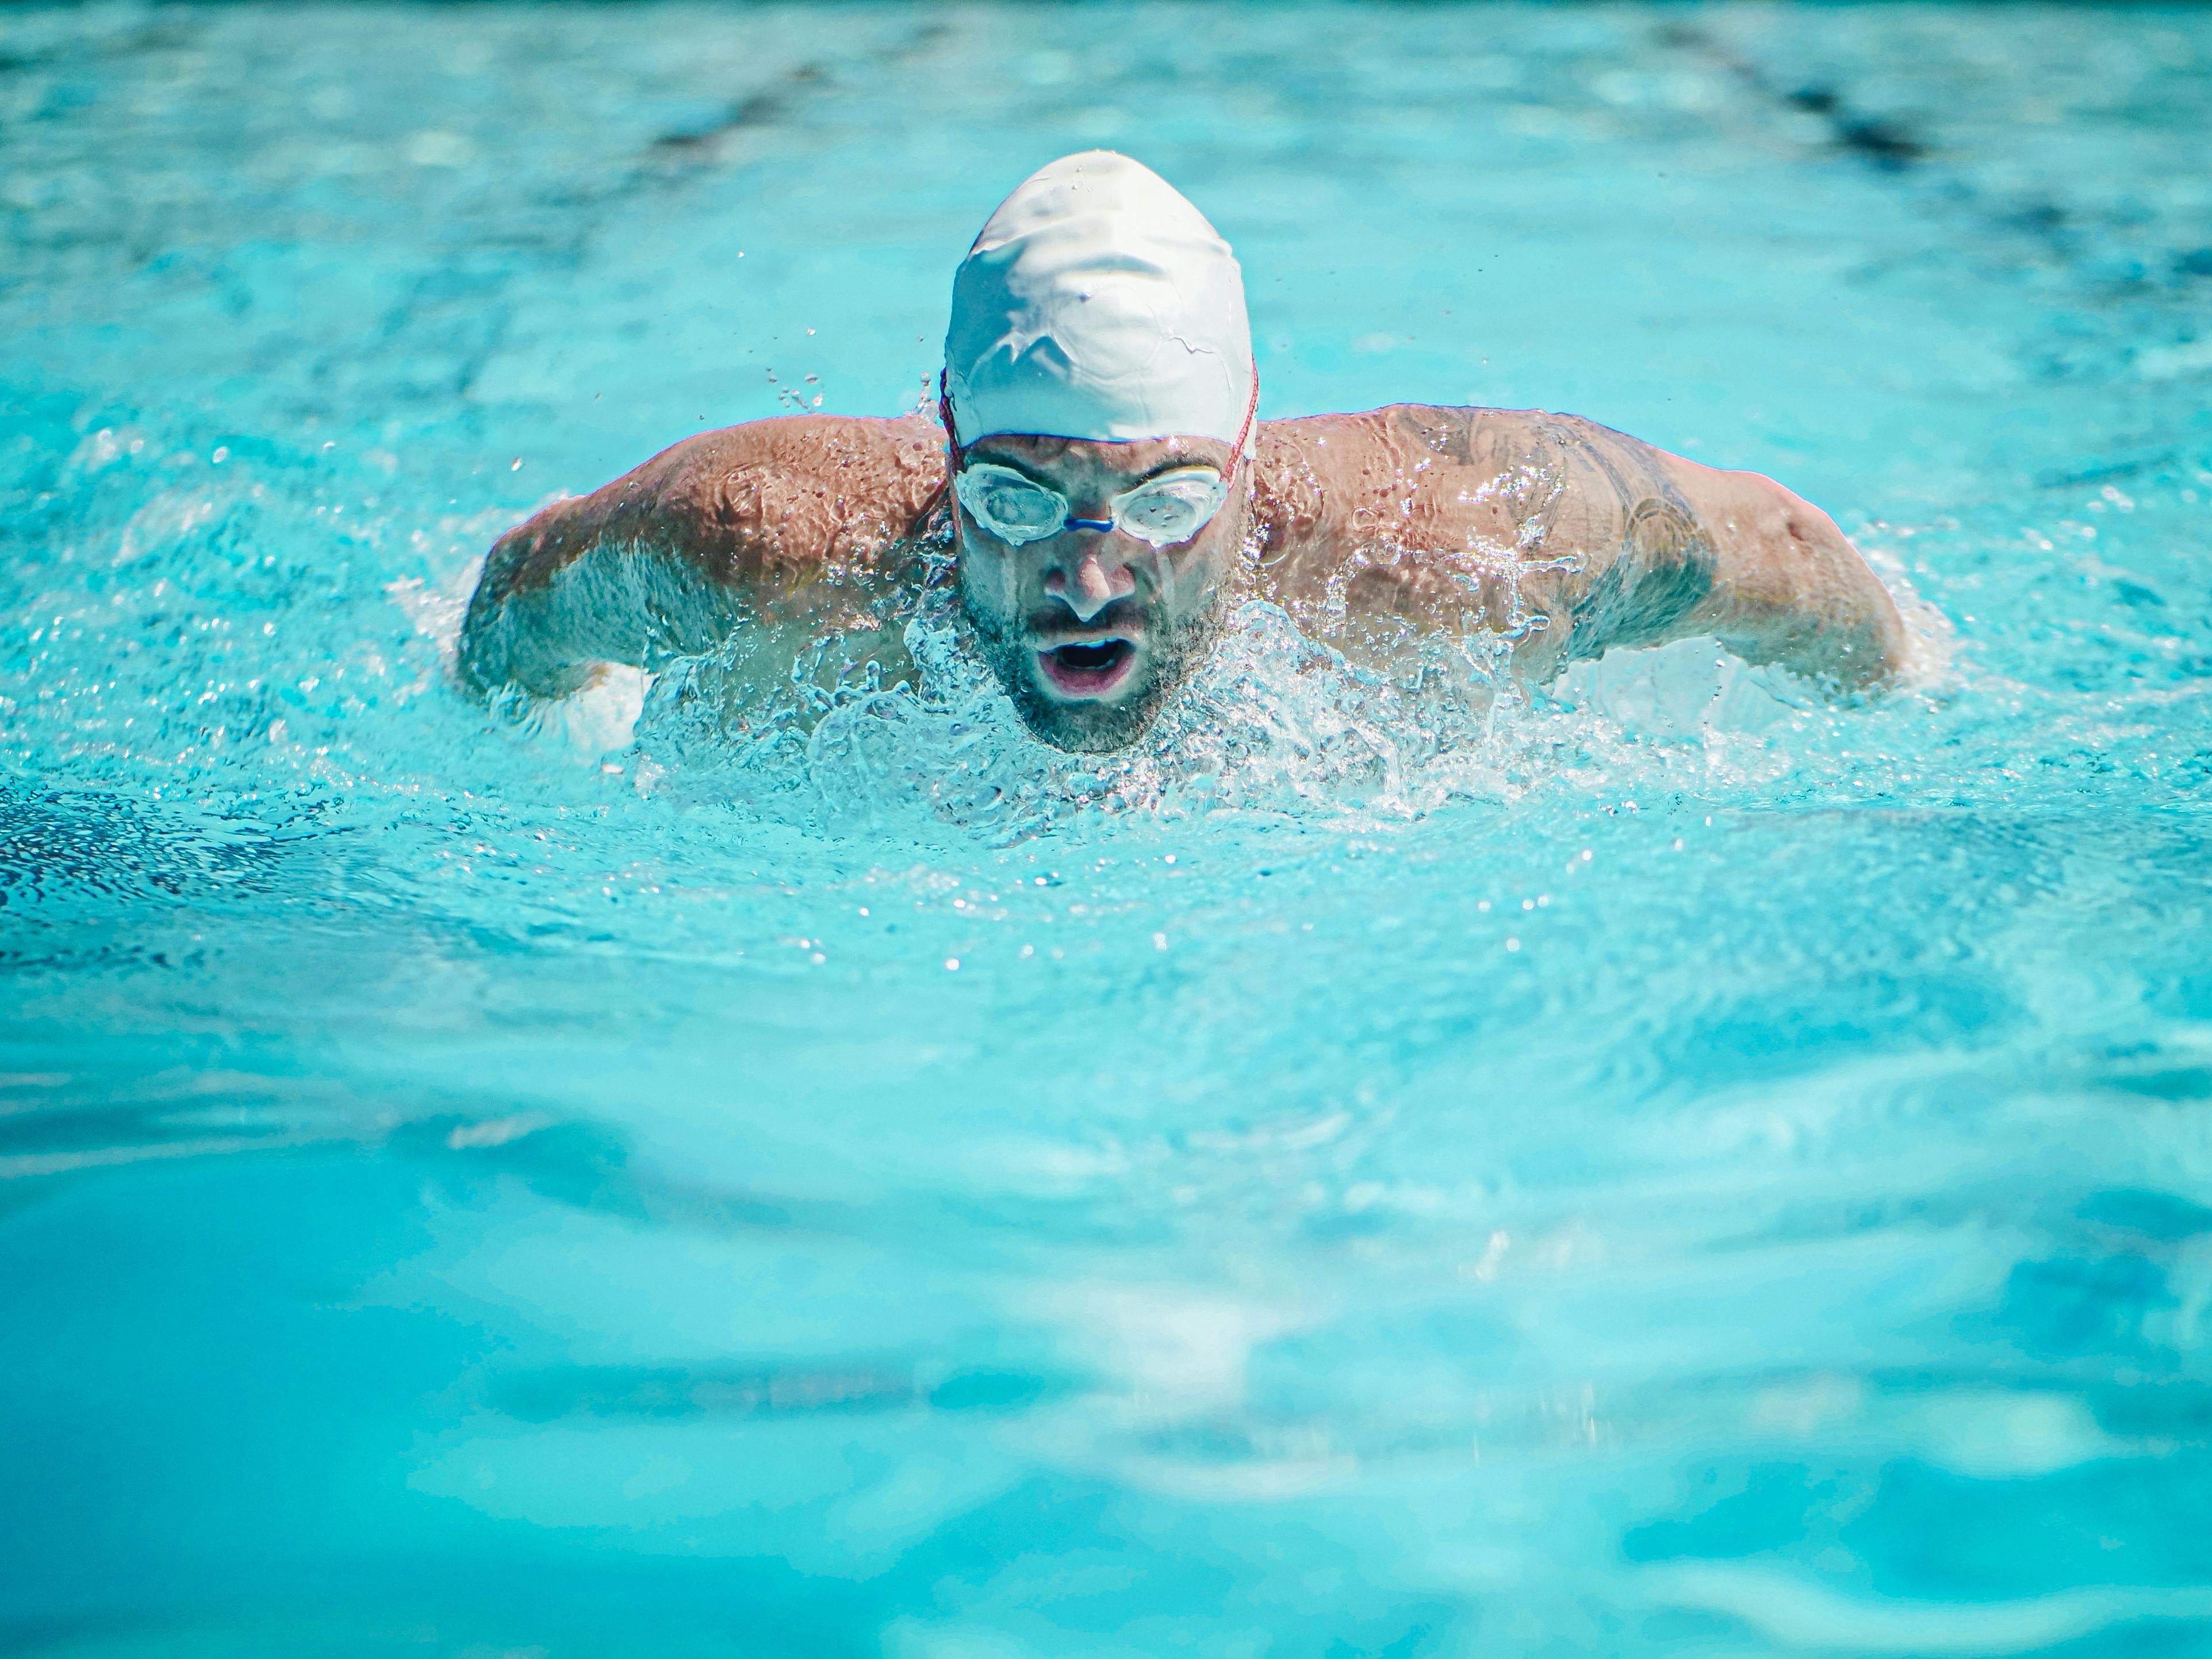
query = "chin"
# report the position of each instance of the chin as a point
(1096, 725)
(1089, 725)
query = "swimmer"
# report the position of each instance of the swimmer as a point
(1110, 494)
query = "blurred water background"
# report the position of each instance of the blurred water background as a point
(1675, 1170)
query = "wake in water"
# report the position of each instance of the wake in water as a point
(1274, 723)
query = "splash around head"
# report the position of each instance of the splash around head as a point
(1099, 400)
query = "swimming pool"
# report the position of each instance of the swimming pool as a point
(1672, 1170)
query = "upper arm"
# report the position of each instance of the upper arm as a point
(789, 521)
(1673, 549)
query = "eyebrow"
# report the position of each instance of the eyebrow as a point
(1182, 463)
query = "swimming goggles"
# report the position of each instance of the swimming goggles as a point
(1166, 508)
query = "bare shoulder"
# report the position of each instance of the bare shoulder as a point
(1326, 482)
(811, 488)
(1392, 447)
(1419, 480)
(769, 502)
(1381, 448)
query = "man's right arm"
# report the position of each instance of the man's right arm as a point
(790, 525)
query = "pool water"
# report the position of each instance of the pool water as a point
(1661, 1168)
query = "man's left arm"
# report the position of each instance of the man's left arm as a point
(1676, 550)
(1568, 538)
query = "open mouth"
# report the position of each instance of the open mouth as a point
(1089, 670)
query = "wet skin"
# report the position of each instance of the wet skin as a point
(1091, 631)
(1379, 532)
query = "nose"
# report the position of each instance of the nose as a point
(1094, 583)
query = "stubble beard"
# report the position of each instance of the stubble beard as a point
(1100, 725)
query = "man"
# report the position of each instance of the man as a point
(1111, 493)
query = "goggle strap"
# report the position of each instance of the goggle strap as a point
(1251, 408)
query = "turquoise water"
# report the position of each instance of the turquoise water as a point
(1671, 1170)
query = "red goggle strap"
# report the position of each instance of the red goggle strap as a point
(1251, 408)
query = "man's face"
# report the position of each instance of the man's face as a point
(1092, 631)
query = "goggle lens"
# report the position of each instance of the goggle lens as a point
(1017, 509)
(1171, 508)
(1012, 507)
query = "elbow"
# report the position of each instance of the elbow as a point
(1866, 660)
(485, 659)
(1816, 606)
(1855, 644)
(1870, 645)
(480, 655)
(1879, 657)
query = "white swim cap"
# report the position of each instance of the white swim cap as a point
(1098, 303)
